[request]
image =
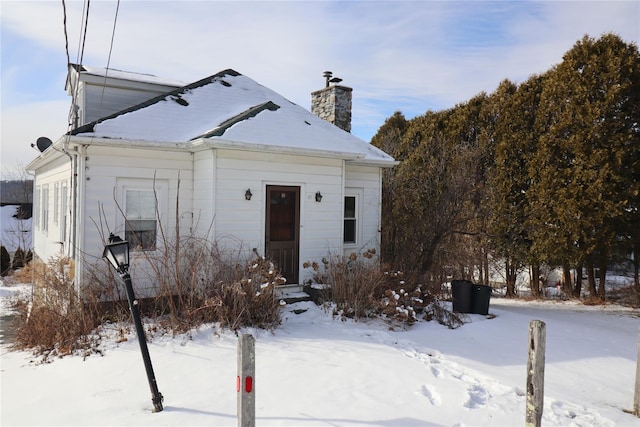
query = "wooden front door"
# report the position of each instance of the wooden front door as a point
(282, 238)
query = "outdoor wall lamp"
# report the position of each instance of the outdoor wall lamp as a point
(117, 253)
(318, 197)
(247, 194)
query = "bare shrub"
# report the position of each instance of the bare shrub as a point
(55, 323)
(355, 282)
(250, 301)
(357, 287)
(204, 284)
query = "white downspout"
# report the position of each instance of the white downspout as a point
(342, 196)
(78, 213)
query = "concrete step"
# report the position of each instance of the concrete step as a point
(292, 294)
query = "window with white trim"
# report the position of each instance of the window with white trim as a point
(141, 224)
(56, 202)
(45, 208)
(350, 233)
(63, 211)
(36, 207)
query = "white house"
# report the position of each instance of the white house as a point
(223, 157)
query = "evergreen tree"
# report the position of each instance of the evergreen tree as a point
(389, 138)
(18, 259)
(546, 172)
(509, 184)
(5, 261)
(588, 141)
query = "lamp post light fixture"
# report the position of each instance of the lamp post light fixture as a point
(117, 253)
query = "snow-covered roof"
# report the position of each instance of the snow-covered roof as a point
(231, 110)
(125, 75)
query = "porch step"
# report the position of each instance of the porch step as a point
(292, 294)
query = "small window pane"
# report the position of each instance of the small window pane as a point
(141, 234)
(349, 231)
(141, 204)
(349, 207)
(140, 225)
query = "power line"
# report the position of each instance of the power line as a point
(66, 36)
(113, 35)
(84, 25)
(79, 54)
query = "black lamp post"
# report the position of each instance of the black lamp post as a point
(117, 253)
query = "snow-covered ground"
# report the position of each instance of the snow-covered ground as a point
(318, 371)
(14, 233)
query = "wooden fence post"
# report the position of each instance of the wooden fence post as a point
(535, 373)
(245, 382)
(636, 396)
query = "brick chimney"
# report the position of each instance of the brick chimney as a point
(333, 103)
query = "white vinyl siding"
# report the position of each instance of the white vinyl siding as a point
(98, 100)
(203, 193)
(47, 242)
(364, 182)
(241, 221)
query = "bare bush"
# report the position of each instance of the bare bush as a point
(55, 323)
(357, 287)
(199, 283)
(206, 287)
(355, 282)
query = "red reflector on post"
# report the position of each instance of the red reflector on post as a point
(238, 383)
(248, 384)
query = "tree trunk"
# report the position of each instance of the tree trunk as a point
(566, 280)
(511, 279)
(591, 279)
(485, 261)
(603, 275)
(578, 289)
(535, 280)
(636, 270)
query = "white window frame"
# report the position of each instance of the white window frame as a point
(63, 211)
(357, 195)
(159, 191)
(36, 207)
(44, 203)
(56, 203)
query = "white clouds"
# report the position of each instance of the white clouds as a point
(23, 125)
(408, 56)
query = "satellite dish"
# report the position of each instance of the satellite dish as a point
(43, 143)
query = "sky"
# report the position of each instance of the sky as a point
(397, 56)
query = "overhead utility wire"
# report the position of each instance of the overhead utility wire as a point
(82, 41)
(113, 35)
(83, 30)
(79, 54)
(66, 48)
(66, 36)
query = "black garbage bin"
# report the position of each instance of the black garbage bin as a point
(480, 300)
(462, 295)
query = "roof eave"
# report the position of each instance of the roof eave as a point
(276, 149)
(52, 152)
(382, 163)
